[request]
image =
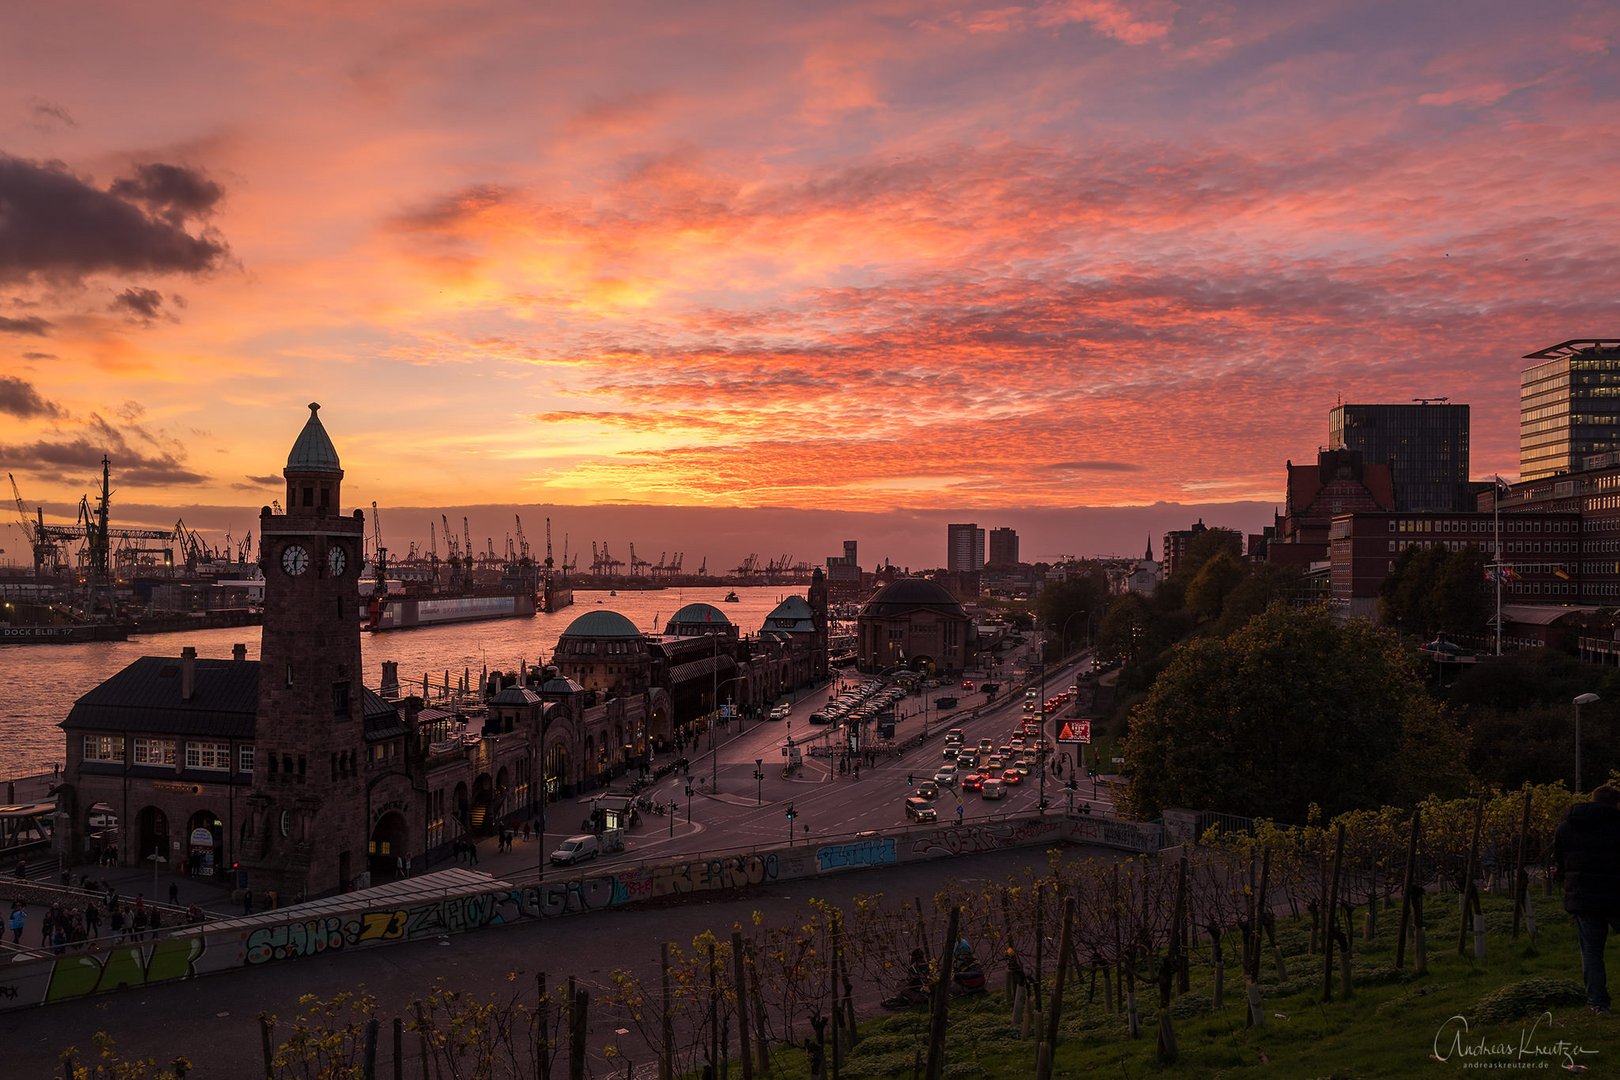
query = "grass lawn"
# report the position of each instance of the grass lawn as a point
(1392, 1027)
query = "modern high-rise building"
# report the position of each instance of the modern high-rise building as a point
(964, 548)
(1426, 446)
(1569, 407)
(1003, 547)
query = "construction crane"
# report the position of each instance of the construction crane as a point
(637, 565)
(749, 566)
(596, 560)
(548, 546)
(703, 567)
(522, 541)
(467, 556)
(376, 534)
(568, 567)
(609, 563)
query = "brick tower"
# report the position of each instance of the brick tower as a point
(306, 816)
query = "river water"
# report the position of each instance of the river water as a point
(40, 683)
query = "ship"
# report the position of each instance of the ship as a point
(732, 597)
(555, 593)
(402, 612)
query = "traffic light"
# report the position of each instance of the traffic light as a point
(790, 812)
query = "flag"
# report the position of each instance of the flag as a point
(1561, 573)
(1509, 573)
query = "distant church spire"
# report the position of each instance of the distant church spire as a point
(1150, 548)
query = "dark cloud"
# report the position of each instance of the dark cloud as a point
(173, 192)
(142, 304)
(39, 356)
(56, 226)
(138, 456)
(19, 398)
(445, 214)
(1092, 466)
(48, 114)
(28, 324)
(265, 481)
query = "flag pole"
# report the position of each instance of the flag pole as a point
(1496, 512)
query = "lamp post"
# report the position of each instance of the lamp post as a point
(689, 802)
(1063, 634)
(1583, 699)
(1040, 764)
(759, 781)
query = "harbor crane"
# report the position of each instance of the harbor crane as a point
(548, 546)
(703, 568)
(637, 565)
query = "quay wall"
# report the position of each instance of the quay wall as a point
(38, 978)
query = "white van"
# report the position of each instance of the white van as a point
(575, 849)
(993, 788)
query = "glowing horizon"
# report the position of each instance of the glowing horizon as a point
(713, 255)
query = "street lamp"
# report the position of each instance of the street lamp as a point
(689, 802)
(759, 781)
(1583, 699)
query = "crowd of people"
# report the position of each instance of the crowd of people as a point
(106, 918)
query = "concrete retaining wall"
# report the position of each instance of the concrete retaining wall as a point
(358, 921)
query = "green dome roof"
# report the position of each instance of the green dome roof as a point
(909, 594)
(313, 452)
(602, 624)
(699, 612)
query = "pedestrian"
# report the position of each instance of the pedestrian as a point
(1586, 858)
(115, 924)
(154, 922)
(92, 919)
(138, 924)
(407, 866)
(399, 866)
(174, 893)
(472, 853)
(22, 868)
(525, 832)
(18, 922)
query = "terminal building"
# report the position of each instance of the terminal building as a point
(290, 774)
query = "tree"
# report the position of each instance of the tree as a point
(1291, 710)
(1067, 608)
(1203, 547)
(1209, 588)
(1433, 590)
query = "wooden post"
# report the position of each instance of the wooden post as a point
(941, 1002)
(369, 1065)
(1330, 921)
(576, 1035)
(739, 977)
(1470, 898)
(1040, 940)
(1179, 940)
(422, 1038)
(1521, 880)
(542, 1043)
(266, 1048)
(714, 1010)
(1048, 1046)
(399, 1048)
(1408, 882)
(666, 1052)
(762, 1048)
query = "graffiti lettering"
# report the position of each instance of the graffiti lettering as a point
(735, 872)
(869, 853)
(165, 960)
(289, 940)
(8, 992)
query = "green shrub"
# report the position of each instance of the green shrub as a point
(1528, 997)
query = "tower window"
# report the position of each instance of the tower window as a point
(340, 699)
(289, 675)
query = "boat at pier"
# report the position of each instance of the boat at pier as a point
(404, 612)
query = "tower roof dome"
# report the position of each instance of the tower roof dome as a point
(314, 452)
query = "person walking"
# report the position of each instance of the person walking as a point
(1586, 858)
(18, 922)
(174, 894)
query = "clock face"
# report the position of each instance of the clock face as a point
(336, 561)
(294, 559)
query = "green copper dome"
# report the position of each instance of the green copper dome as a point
(601, 624)
(314, 452)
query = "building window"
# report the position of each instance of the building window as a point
(152, 752)
(340, 699)
(208, 755)
(244, 758)
(104, 748)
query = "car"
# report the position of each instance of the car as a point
(575, 849)
(949, 753)
(954, 737)
(973, 781)
(1029, 706)
(781, 712)
(1031, 693)
(966, 759)
(926, 790)
(996, 763)
(931, 684)
(1020, 768)
(986, 746)
(946, 702)
(1004, 750)
(821, 718)
(1012, 776)
(967, 684)
(993, 788)
(946, 776)
(921, 810)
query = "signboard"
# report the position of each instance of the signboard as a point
(1075, 731)
(202, 838)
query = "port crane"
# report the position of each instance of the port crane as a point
(749, 567)
(637, 565)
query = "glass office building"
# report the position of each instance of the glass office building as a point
(964, 548)
(1569, 407)
(1426, 445)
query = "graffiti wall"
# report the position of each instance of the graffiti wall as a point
(273, 941)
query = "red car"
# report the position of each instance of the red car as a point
(967, 684)
(973, 782)
(1012, 776)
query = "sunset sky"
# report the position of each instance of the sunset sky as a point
(932, 256)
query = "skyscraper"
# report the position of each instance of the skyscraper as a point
(1569, 406)
(1425, 444)
(1003, 547)
(964, 548)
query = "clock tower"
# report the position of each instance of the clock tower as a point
(307, 827)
